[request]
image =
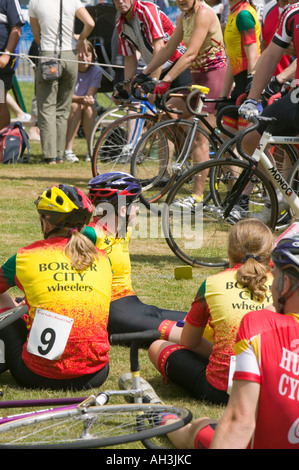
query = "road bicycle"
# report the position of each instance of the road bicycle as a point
(166, 150)
(199, 236)
(88, 422)
(115, 146)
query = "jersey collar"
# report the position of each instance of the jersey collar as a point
(236, 6)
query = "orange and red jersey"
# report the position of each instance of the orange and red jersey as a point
(81, 298)
(221, 303)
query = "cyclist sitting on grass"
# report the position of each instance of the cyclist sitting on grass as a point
(117, 193)
(63, 342)
(200, 367)
(262, 412)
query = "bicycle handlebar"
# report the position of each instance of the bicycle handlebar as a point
(138, 94)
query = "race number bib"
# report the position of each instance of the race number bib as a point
(49, 334)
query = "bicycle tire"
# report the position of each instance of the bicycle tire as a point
(285, 157)
(67, 428)
(114, 148)
(8, 317)
(165, 139)
(105, 119)
(199, 237)
(293, 180)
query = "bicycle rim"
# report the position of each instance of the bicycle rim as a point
(100, 426)
(105, 120)
(115, 146)
(161, 156)
(199, 235)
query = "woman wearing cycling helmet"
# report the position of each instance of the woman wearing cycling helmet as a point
(63, 343)
(262, 411)
(117, 194)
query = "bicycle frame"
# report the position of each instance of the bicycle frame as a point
(259, 156)
(136, 132)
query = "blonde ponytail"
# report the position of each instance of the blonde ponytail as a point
(81, 251)
(251, 244)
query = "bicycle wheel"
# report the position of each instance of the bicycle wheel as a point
(114, 148)
(199, 236)
(107, 118)
(284, 157)
(98, 426)
(162, 155)
(293, 180)
(8, 317)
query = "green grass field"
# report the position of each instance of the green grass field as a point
(153, 265)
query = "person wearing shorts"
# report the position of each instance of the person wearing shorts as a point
(116, 194)
(200, 367)
(11, 22)
(63, 341)
(200, 30)
(286, 109)
(262, 411)
(242, 39)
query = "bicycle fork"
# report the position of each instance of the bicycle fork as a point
(235, 193)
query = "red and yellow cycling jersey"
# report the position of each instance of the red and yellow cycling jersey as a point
(44, 273)
(221, 303)
(118, 251)
(242, 28)
(267, 353)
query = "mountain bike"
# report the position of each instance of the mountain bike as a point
(88, 422)
(199, 236)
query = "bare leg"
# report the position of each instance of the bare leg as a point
(184, 438)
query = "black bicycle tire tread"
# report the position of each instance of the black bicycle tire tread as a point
(111, 441)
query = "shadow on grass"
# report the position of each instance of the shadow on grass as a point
(155, 259)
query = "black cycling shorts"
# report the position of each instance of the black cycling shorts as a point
(128, 314)
(286, 111)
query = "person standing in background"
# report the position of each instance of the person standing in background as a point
(54, 97)
(11, 22)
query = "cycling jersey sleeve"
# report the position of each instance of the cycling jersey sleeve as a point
(247, 353)
(90, 233)
(246, 26)
(8, 274)
(198, 315)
